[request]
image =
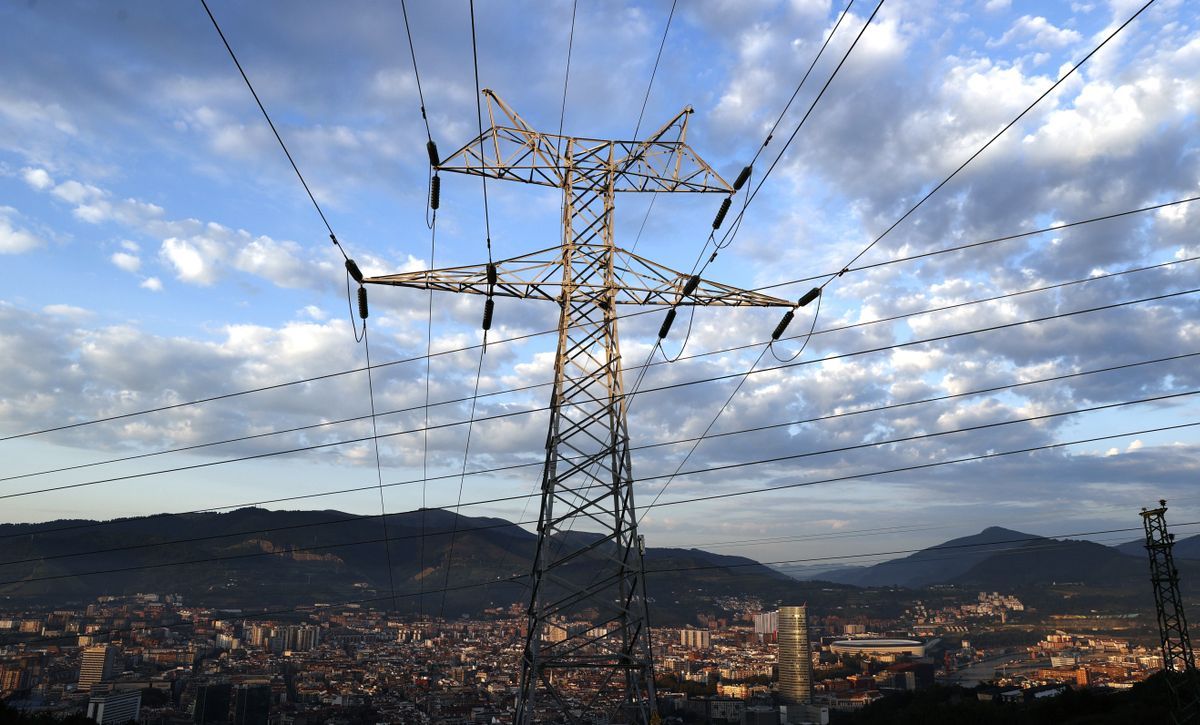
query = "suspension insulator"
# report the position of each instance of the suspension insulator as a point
(488, 308)
(783, 324)
(722, 212)
(431, 147)
(742, 179)
(666, 325)
(355, 272)
(692, 283)
(362, 302)
(491, 274)
(435, 192)
(809, 296)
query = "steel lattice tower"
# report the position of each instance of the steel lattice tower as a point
(603, 671)
(1179, 662)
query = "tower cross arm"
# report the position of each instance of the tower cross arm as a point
(509, 148)
(538, 275)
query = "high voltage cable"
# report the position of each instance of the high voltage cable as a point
(731, 232)
(652, 310)
(796, 456)
(990, 141)
(979, 391)
(274, 130)
(784, 366)
(925, 466)
(416, 73)
(642, 113)
(505, 391)
(378, 466)
(800, 85)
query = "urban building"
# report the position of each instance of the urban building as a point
(695, 638)
(115, 708)
(99, 664)
(766, 624)
(212, 703)
(252, 705)
(795, 656)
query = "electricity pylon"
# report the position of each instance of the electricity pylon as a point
(601, 671)
(1179, 662)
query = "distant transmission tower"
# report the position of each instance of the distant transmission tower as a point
(1179, 663)
(602, 672)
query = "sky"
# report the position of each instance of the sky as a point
(157, 248)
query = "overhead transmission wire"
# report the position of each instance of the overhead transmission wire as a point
(527, 336)
(699, 267)
(351, 270)
(988, 143)
(489, 303)
(816, 292)
(642, 114)
(821, 452)
(694, 279)
(786, 424)
(783, 366)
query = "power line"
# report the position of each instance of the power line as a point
(905, 439)
(649, 363)
(274, 130)
(800, 85)
(910, 343)
(732, 231)
(925, 466)
(527, 336)
(416, 73)
(892, 406)
(992, 140)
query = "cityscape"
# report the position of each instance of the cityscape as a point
(643, 362)
(152, 658)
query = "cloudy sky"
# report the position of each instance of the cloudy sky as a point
(156, 248)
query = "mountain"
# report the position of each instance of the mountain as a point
(255, 558)
(1188, 548)
(935, 565)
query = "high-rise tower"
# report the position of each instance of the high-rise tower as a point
(795, 656)
(100, 663)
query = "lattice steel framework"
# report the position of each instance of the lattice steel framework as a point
(1179, 662)
(587, 655)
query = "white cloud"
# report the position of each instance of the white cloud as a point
(1037, 32)
(68, 311)
(13, 239)
(152, 283)
(37, 178)
(128, 262)
(994, 6)
(193, 263)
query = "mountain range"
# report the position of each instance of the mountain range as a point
(259, 559)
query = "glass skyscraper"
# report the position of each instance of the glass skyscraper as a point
(795, 656)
